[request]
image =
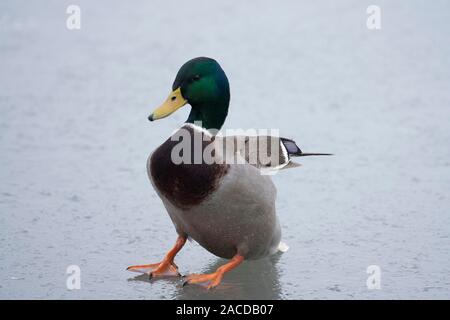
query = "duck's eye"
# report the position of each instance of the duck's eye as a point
(196, 77)
(173, 98)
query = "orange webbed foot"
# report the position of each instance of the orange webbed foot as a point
(209, 281)
(165, 268)
(212, 280)
(156, 270)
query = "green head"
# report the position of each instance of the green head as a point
(201, 83)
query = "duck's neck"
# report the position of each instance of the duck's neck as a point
(210, 116)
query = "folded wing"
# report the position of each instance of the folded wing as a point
(263, 152)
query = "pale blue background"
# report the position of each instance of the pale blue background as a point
(74, 139)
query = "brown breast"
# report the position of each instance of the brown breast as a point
(186, 184)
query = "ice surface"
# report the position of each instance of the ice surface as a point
(74, 139)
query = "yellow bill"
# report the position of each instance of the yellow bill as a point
(173, 102)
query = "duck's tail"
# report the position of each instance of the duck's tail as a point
(294, 151)
(306, 154)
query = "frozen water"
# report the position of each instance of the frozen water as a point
(74, 139)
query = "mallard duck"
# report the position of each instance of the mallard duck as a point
(228, 208)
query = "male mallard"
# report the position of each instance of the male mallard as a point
(229, 209)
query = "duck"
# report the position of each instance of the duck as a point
(227, 206)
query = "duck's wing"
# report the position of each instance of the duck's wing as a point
(264, 152)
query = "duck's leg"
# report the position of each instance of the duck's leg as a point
(164, 268)
(211, 280)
